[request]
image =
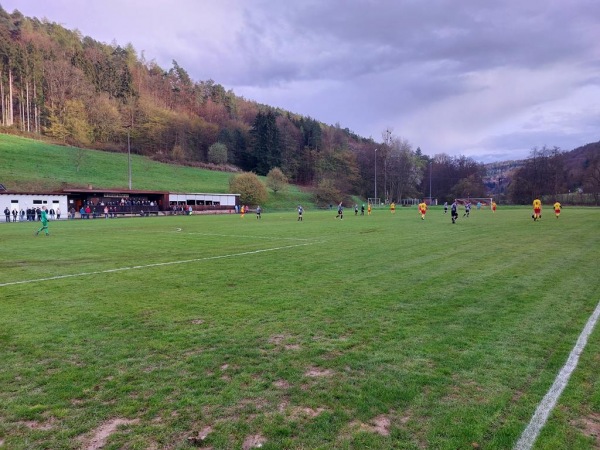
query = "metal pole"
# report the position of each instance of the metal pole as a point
(129, 156)
(375, 173)
(430, 200)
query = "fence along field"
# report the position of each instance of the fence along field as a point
(381, 331)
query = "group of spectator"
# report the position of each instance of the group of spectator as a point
(127, 202)
(111, 209)
(29, 214)
(180, 209)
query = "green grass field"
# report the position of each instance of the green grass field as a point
(376, 332)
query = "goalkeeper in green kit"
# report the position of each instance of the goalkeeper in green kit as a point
(44, 220)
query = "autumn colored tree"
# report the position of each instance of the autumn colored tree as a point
(252, 191)
(276, 180)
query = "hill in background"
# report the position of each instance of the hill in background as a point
(32, 166)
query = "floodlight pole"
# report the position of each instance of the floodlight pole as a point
(375, 173)
(430, 163)
(129, 156)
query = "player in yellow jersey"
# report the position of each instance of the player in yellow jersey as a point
(369, 209)
(422, 209)
(493, 206)
(393, 207)
(557, 207)
(537, 209)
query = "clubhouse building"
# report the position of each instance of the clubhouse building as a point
(120, 202)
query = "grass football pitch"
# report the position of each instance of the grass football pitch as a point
(222, 332)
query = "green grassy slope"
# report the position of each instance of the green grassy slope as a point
(31, 165)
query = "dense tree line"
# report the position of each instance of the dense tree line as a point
(72, 89)
(551, 174)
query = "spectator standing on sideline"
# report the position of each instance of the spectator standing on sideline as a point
(7, 214)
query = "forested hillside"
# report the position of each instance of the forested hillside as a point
(61, 86)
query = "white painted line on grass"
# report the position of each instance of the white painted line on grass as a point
(242, 236)
(146, 266)
(547, 404)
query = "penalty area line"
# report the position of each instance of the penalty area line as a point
(547, 404)
(147, 266)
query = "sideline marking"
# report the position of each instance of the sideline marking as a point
(547, 404)
(169, 263)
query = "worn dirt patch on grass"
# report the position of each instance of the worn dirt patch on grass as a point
(102, 433)
(277, 339)
(201, 436)
(282, 340)
(315, 372)
(590, 426)
(254, 441)
(35, 425)
(379, 425)
(300, 411)
(282, 384)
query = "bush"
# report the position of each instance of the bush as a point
(217, 153)
(276, 180)
(326, 193)
(252, 191)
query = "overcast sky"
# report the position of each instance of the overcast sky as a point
(486, 79)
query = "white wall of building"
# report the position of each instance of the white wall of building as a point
(24, 201)
(221, 199)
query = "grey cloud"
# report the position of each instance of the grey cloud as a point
(351, 39)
